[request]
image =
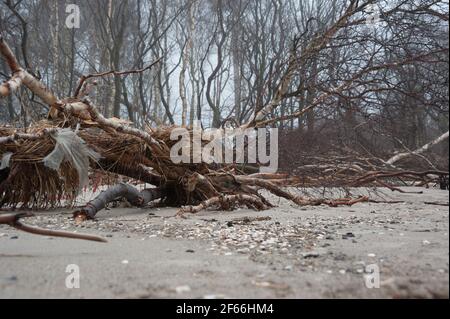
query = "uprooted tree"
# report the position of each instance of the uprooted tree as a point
(48, 163)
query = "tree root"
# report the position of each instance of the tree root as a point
(225, 203)
(130, 193)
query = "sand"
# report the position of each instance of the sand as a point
(286, 252)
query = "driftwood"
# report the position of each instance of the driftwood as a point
(131, 194)
(437, 204)
(13, 220)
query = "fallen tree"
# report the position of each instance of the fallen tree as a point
(143, 155)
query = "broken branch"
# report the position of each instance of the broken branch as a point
(13, 220)
(420, 150)
(131, 194)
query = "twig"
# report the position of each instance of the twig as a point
(23, 136)
(387, 201)
(396, 189)
(374, 176)
(84, 78)
(436, 204)
(13, 220)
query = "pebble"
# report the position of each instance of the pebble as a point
(125, 262)
(243, 250)
(264, 284)
(183, 289)
(12, 279)
(426, 243)
(312, 254)
(348, 235)
(296, 239)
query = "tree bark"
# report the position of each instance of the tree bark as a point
(131, 194)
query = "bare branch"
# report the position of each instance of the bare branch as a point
(85, 78)
(13, 220)
(444, 137)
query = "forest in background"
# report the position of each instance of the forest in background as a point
(378, 86)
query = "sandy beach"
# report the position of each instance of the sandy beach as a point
(286, 252)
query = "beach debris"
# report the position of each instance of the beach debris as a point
(13, 220)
